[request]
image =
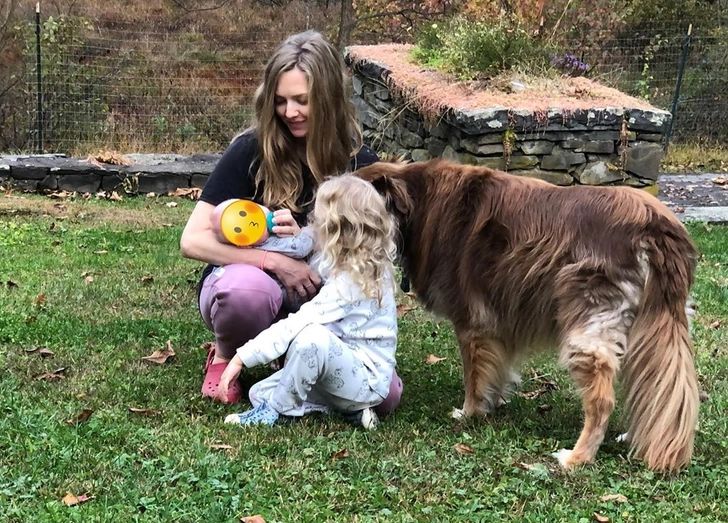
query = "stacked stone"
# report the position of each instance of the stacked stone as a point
(599, 146)
(147, 173)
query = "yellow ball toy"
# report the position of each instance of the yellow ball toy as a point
(242, 222)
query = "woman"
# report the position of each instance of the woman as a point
(304, 130)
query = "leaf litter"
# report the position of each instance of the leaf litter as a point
(161, 356)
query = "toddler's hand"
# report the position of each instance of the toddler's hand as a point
(231, 373)
(286, 225)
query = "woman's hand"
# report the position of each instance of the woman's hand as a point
(286, 225)
(295, 275)
(231, 373)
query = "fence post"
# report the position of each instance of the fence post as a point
(39, 82)
(686, 47)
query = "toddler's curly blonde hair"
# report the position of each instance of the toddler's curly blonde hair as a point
(354, 233)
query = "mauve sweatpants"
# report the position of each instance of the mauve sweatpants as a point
(239, 301)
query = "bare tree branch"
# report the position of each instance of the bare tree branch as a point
(10, 86)
(7, 7)
(187, 9)
(404, 13)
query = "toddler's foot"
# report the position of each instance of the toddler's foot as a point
(260, 415)
(366, 418)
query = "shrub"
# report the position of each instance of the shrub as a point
(472, 50)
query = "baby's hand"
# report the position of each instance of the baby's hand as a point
(285, 224)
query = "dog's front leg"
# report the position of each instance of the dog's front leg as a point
(486, 371)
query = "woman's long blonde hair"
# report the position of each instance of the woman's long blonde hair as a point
(354, 233)
(333, 135)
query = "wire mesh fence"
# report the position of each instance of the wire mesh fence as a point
(190, 91)
(678, 67)
(134, 91)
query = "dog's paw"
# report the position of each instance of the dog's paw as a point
(458, 413)
(622, 438)
(564, 457)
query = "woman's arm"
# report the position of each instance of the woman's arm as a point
(199, 242)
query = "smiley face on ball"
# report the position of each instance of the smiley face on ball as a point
(243, 222)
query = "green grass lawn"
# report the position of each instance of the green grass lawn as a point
(101, 285)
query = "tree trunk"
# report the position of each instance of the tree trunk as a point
(346, 24)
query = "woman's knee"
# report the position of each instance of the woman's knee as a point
(239, 301)
(393, 399)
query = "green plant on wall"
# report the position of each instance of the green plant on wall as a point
(509, 142)
(479, 49)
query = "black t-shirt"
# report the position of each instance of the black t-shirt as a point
(234, 177)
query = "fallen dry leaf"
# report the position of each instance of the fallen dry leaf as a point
(161, 356)
(144, 412)
(62, 195)
(462, 448)
(93, 161)
(52, 376)
(404, 309)
(147, 279)
(40, 300)
(343, 453)
(41, 351)
(601, 519)
(533, 394)
(109, 157)
(544, 408)
(82, 417)
(88, 279)
(433, 359)
(546, 386)
(715, 324)
(171, 204)
(619, 498)
(720, 180)
(252, 519)
(193, 193)
(524, 466)
(70, 500)
(221, 446)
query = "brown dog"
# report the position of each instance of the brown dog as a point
(517, 263)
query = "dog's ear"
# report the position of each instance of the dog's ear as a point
(386, 179)
(395, 193)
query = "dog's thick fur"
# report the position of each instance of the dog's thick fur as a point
(601, 273)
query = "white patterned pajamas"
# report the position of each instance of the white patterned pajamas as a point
(340, 352)
(320, 370)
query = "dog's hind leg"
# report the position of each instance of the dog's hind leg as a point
(592, 356)
(486, 371)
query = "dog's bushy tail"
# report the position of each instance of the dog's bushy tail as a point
(659, 373)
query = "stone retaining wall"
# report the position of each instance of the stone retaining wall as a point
(147, 173)
(607, 145)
